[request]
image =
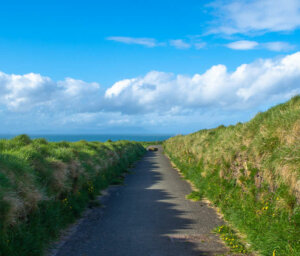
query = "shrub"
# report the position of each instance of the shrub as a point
(44, 186)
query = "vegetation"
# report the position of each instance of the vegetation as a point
(251, 171)
(230, 238)
(45, 186)
(151, 143)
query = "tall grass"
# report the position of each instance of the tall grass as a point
(44, 186)
(251, 171)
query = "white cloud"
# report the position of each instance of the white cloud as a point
(179, 44)
(243, 16)
(21, 93)
(242, 45)
(160, 92)
(149, 42)
(278, 46)
(250, 45)
(156, 101)
(249, 85)
(118, 87)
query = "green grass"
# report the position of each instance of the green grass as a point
(251, 171)
(195, 196)
(151, 143)
(45, 186)
(231, 239)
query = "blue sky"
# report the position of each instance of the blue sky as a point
(149, 67)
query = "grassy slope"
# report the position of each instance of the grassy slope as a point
(44, 186)
(252, 172)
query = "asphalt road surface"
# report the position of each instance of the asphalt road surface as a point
(147, 216)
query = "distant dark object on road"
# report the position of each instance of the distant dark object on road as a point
(152, 149)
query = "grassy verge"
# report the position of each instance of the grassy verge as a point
(45, 186)
(251, 171)
(232, 240)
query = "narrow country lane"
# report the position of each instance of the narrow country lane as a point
(148, 215)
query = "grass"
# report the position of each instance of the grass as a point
(251, 171)
(195, 196)
(45, 186)
(231, 239)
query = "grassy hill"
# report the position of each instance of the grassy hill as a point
(251, 171)
(44, 186)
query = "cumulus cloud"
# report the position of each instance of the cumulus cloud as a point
(242, 45)
(158, 100)
(249, 85)
(21, 93)
(243, 16)
(148, 42)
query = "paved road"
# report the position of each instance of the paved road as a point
(148, 216)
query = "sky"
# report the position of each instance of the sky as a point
(165, 67)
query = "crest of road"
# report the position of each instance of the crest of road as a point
(148, 215)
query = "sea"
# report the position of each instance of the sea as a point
(94, 137)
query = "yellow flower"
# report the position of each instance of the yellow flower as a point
(274, 253)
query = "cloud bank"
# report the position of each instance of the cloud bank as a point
(249, 85)
(159, 100)
(31, 92)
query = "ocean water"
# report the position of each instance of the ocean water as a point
(94, 137)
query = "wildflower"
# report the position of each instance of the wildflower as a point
(274, 253)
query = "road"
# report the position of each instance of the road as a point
(147, 216)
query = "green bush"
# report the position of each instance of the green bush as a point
(251, 172)
(44, 186)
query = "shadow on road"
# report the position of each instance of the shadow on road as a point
(140, 218)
